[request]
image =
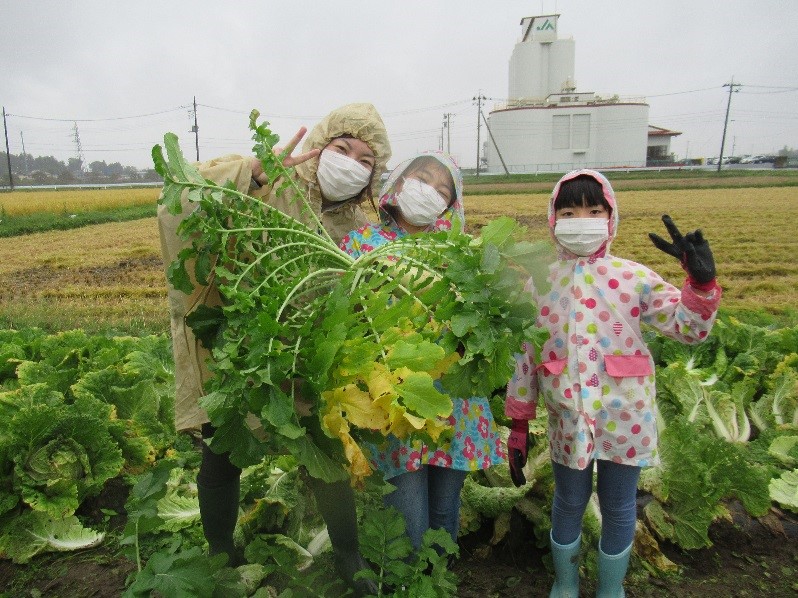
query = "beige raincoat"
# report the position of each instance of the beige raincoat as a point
(357, 120)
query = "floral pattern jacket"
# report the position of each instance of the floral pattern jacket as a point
(475, 442)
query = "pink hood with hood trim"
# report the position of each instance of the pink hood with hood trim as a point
(609, 195)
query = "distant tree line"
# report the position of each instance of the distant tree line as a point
(46, 170)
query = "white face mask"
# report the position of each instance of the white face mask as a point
(341, 177)
(420, 203)
(582, 236)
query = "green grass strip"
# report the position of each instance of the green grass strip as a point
(12, 226)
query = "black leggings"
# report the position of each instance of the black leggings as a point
(215, 470)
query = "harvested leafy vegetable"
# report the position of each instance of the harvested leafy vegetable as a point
(368, 338)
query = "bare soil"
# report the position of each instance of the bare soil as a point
(749, 557)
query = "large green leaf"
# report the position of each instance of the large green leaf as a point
(35, 532)
(186, 574)
(421, 396)
(784, 490)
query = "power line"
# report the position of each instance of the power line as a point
(316, 117)
(764, 93)
(773, 87)
(676, 93)
(86, 120)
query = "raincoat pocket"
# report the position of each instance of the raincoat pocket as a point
(628, 366)
(554, 367)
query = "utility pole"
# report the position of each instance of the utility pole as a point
(81, 158)
(195, 128)
(447, 124)
(8, 152)
(24, 153)
(478, 99)
(732, 88)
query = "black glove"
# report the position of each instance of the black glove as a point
(692, 250)
(518, 446)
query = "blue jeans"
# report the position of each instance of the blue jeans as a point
(617, 492)
(429, 499)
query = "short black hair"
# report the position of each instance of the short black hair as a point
(582, 190)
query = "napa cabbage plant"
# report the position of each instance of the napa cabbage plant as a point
(56, 457)
(696, 475)
(75, 411)
(778, 407)
(784, 490)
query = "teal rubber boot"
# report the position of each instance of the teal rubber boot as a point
(566, 568)
(611, 571)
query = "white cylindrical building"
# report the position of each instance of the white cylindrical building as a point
(546, 125)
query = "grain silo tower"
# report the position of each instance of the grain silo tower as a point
(541, 64)
(546, 125)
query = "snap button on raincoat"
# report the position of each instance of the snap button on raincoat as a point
(595, 373)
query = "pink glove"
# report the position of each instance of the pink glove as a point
(518, 446)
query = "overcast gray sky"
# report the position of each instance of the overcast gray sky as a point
(100, 62)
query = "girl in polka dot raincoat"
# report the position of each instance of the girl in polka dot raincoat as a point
(595, 374)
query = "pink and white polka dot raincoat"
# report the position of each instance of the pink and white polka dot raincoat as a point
(595, 373)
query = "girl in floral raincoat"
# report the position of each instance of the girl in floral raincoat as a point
(595, 373)
(425, 193)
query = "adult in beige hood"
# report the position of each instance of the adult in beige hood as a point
(359, 121)
(343, 131)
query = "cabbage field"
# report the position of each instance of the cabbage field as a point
(98, 492)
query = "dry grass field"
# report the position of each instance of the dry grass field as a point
(753, 233)
(96, 277)
(20, 203)
(111, 275)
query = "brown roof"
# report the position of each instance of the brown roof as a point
(660, 132)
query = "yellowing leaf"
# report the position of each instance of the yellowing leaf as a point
(381, 385)
(357, 406)
(335, 423)
(415, 422)
(359, 467)
(443, 365)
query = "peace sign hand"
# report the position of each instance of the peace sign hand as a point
(285, 156)
(692, 250)
(285, 153)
